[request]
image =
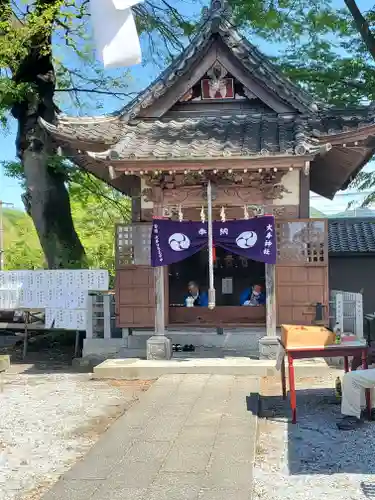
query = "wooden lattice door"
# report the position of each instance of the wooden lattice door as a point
(135, 294)
(301, 270)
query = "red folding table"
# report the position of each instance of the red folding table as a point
(345, 349)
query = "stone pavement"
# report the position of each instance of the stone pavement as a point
(190, 437)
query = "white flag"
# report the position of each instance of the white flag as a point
(115, 33)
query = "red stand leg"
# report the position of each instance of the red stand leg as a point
(346, 364)
(364, 359)
(367, 391)
(292, 388)
(283, 378)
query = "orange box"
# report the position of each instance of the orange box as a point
(306, 336)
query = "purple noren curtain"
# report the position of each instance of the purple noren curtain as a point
(174, 241)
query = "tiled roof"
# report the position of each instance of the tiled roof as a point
(108, 131)
(351, 235)
(86, 130)
(217, 21)
(212, 137)
(336, 120)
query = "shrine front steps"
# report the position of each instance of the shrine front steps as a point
(133, 368)
(242, 339)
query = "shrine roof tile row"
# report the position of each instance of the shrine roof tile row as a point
(264, 128)
(212, 137)
(351, 235)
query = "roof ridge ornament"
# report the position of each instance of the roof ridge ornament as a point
(217, 9)
(218, 4)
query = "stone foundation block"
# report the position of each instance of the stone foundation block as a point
(268, 347)
(159, 347)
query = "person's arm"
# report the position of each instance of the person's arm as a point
(204, 299)
(245, 296)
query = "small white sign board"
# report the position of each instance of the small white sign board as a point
(227, 286)
(62, 293)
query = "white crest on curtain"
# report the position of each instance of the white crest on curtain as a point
(115, 32)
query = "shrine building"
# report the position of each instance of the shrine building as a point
(222, 112)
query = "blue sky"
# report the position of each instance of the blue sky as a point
(10, 189)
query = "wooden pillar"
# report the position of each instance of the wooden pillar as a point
(90, 317)
(107, 315)
(159, 301)
(159, 288)
(271, 300)
(159, 346)
(136, 200)
(304, 193)
(211, 289)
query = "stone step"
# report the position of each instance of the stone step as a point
(200, 352)
(231, 339)
(147, 369)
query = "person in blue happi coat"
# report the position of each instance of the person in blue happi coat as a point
(196, 297)
(253, 296)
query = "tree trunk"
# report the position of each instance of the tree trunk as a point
(47, 202)
(363, 27)
(46, 198)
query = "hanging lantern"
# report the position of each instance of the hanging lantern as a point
(222, 215)
(180, 214)
(203, 215)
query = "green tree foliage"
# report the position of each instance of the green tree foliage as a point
(323, 46)
(22, 249)
(45, 51)
(63, 27)
(96, 208)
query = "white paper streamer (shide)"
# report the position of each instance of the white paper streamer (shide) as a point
(115, 32)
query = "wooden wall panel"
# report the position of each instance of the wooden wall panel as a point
(298, 290)
(135, 297)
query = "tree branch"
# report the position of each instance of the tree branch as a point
(362, 26)
(101, 194)
(94, 91)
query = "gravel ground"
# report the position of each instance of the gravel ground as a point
(48, 421)
(312, 459)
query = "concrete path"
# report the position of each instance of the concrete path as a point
(190, 437)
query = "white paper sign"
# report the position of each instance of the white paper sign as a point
(115, 32)
(63, 294)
